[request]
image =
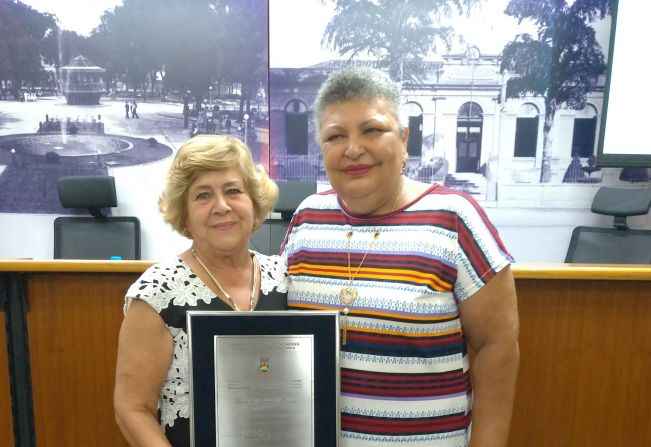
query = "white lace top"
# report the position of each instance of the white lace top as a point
(172, 288)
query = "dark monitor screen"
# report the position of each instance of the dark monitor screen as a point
(609, 246)
(97, 238)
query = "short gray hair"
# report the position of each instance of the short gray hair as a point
(356, 83)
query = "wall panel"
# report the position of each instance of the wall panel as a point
(73, 321)
(585, 364)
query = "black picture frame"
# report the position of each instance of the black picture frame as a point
(204, 326)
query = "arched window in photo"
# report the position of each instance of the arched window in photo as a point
(469, 132)
(415, 143)
(526, 131)
(296, 120)
(585, 132)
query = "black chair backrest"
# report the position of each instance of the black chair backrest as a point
(621, 203)
(92, 192)
(98, 237)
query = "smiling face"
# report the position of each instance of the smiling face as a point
(363, 153)
(220, 212)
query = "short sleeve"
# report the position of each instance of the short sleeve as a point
(164, 284)
(481, 253)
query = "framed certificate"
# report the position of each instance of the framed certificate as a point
(268, 378)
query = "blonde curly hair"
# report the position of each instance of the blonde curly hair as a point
(214, 152)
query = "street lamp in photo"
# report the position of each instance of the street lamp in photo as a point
(436, 98)
(186, 109)
(472, 59)
(210, 96)
(438, 66)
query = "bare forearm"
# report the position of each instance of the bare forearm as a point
(141, 429)
(494, 373)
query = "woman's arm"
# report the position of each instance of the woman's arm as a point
(145, 351)
(490, 323)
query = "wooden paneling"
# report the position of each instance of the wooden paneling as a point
(585, 364)
(6, 430)
(585, 346)
(73, 323)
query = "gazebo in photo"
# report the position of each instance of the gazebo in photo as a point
(82, 82)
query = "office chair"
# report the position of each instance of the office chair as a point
(97, 237)
(618, 244)
(271, 234)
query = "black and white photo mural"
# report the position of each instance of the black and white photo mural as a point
(122, 95)
(114, 87)
(501, 95)
(504, 99)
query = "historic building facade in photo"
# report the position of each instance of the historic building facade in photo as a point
(462, 132)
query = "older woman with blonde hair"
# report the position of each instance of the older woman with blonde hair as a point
(216, 196)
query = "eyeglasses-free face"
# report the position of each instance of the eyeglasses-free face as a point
(220, 212)
(364, 151)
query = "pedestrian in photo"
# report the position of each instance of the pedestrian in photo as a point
(134, 110)
(126, 109)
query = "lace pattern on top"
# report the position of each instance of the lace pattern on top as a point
(173, 287)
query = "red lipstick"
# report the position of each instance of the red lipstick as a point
(359, 169)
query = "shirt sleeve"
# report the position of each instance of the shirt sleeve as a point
(481, 253)
(157, 286)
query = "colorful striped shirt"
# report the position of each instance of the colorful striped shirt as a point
(404, 367)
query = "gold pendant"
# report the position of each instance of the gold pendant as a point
(348, 295)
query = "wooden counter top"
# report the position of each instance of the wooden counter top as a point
(614, 272)
(66, 266)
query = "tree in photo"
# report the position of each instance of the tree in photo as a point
(562, 63)
(399, 34)
(27, 39)
(132, 40)
(244, 47)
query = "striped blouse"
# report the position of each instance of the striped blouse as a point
(404, 367)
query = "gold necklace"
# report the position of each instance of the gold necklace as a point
(349, 294)
(230, 299)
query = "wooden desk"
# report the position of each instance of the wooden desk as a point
(585, 346)
(74, 312)
(585, 368)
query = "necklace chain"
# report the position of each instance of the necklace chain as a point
(228, 297)
(349, 294)
(351, 276)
